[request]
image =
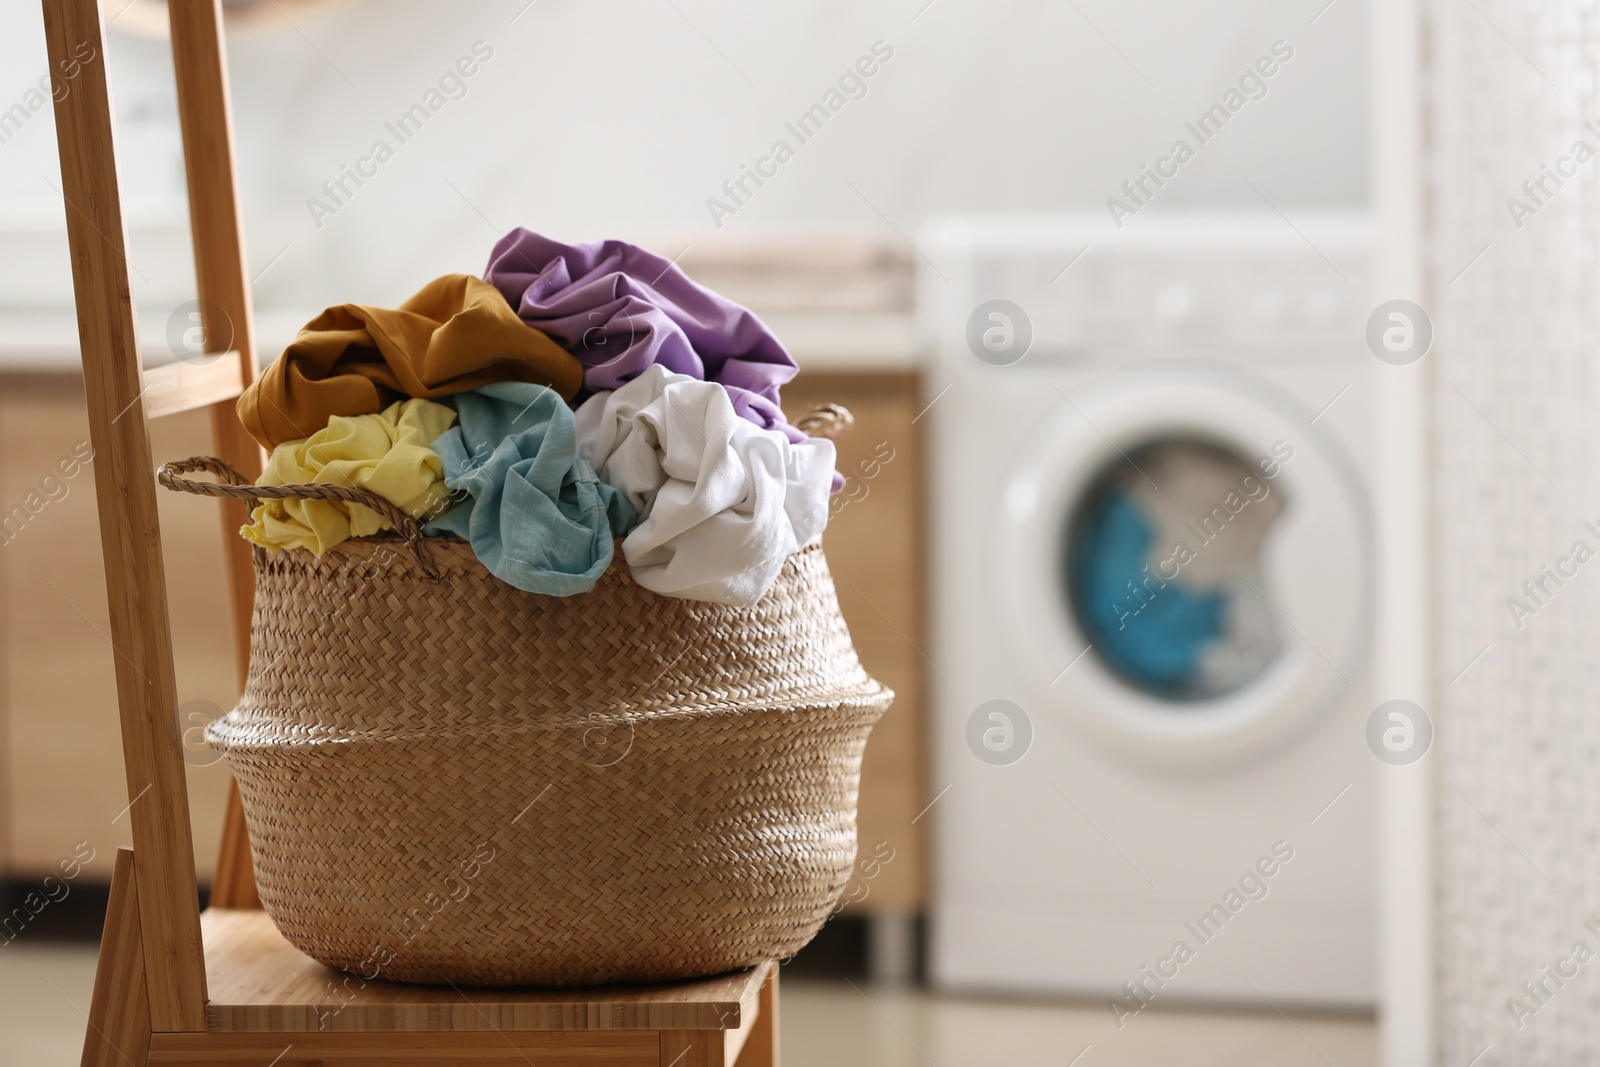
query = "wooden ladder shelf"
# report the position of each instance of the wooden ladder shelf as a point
(173, 985)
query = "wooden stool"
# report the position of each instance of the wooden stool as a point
(173, 985)
(271, 1004)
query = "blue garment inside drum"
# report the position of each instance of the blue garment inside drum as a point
(1148, 628)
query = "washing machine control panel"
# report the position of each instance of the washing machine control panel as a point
(1264, 286)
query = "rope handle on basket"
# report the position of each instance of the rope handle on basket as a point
(830, 420)
(235, 486)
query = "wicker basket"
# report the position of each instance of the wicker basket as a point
(448, 779)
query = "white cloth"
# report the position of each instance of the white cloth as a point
(723, 502)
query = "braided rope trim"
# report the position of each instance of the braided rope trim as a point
(235, 486)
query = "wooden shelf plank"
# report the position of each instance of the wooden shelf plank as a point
(261, 983)
(546, 1049)
(185, 386)
(692, 1048)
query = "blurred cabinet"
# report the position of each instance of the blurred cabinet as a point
(61, 774)
(874, 547)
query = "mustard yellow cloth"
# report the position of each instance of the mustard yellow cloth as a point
(389, 453)
(456, 333)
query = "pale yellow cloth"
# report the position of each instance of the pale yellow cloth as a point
(389, 453)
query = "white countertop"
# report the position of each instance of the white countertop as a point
(47, 342)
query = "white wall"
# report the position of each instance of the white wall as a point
(617, 117)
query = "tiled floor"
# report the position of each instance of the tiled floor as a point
(44, 990)
(845, 1025)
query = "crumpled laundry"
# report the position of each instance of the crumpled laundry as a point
(620, 309)
(455, 334)
(535, 513)
(723, 502)
(1153, 631)
(388, 453)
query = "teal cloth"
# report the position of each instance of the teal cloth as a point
(536, 514)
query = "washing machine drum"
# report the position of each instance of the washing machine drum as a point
(1186, 558)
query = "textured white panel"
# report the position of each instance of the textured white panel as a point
(1514, 404)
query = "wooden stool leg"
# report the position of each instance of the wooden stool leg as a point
(119, 1014)
(234, 885)
(130, 530)
(761, 1047)
(222, 278)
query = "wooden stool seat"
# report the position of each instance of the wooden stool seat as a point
(269, 998)
(272, 1004)
(260, 982)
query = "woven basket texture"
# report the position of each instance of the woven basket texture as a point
(459, 781)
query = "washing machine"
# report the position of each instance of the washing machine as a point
(1152, 585)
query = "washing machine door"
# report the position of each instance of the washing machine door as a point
(1186, 560)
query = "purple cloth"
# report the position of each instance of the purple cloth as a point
(619, 309)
